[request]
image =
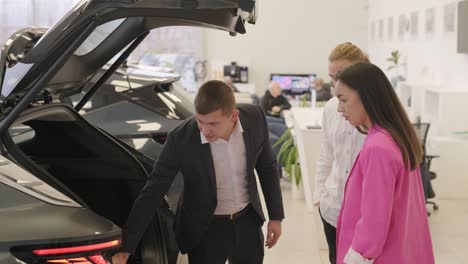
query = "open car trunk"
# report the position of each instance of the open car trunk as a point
(59, 144)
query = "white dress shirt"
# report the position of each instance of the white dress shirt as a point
(230, 164)
(341, 144)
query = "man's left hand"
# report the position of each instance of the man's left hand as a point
(273, 233)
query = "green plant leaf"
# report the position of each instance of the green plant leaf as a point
(298, 174)
(297, 167)
(295, 154)
(285, 136)
(284, 150)
(394, 59)
(288, 155)
(289, 160)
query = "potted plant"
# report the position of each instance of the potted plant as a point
(288, 156)
(394, 59)
(395, 64)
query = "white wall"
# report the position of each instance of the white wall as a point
(293, 36)
(432, 60)
(429, 58)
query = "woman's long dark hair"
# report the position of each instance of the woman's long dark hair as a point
(384, 108)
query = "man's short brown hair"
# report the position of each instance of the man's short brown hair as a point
(215, 95)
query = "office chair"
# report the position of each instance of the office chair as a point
(422, 130)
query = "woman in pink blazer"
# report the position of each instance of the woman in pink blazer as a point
(383, 218)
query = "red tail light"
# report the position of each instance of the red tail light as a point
(70, 254)
(77, 249)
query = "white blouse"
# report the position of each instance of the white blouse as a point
(341, 143)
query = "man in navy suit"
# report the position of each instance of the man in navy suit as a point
(217, 152)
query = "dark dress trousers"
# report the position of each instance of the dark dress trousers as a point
(184, 152)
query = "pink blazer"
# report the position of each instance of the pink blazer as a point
(383, 217)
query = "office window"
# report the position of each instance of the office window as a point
(16, 14)
(177, 47)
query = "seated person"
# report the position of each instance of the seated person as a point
(273, 102)
(323, 90)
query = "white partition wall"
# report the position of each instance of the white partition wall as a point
(446, 110)
(412, 97)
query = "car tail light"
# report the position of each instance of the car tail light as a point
(67, 254)
(76, 249)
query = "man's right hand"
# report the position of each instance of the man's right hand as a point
(120, 258)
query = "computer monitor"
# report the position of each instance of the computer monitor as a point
(294, 84)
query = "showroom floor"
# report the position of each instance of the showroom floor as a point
(298, 244)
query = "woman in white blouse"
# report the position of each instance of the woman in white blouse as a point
(340, 145)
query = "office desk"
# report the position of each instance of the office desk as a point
(307, 131)
(308, 136)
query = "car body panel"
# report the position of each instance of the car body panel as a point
(55, 216)
(51, 223)
(16, 177)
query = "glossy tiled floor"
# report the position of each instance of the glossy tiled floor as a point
(298, 245)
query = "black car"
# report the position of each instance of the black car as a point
(139, 105)
(66, 185)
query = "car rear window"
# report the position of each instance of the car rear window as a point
(98, 36)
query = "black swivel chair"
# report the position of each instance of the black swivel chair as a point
(422, 130)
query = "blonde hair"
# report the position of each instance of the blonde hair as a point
(348, 51)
